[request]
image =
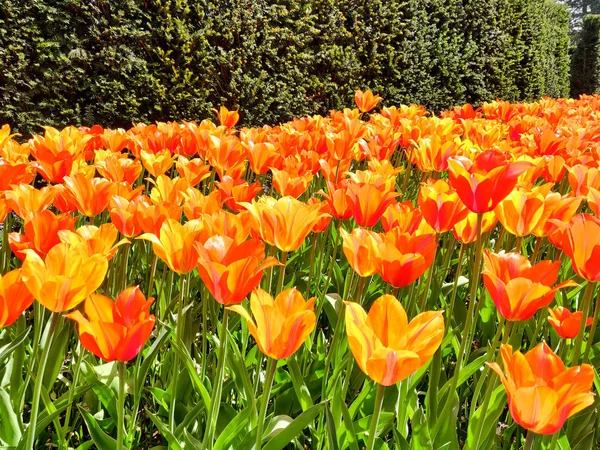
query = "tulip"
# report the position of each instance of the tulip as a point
(194, 170)
(337, 198)
(26, 201)
(402, 215)
(229, 270)
(368, 202)
(365, 101)
(281, 326)
(360, 248)
(441, 206)
(90, 196)
(523, 210)
(157, 163)
(287, 183)
(115, 331)
(386, 346)
(402, 257)
(542, 392)
(99, 240)
(566, 323)
(465, 231)
(197, 204)
(117, 167)
(284, 223)
(151, 217)
(15, 298)
(41, 233)
(174, 244)
(235, 192)
(517, 288)
(226, 117)
(483, 183)
(65, 278)
(581, 242)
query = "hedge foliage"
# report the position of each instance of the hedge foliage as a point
(119, 61)
(585, 63)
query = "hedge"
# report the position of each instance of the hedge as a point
(121, 61)
(585, 78)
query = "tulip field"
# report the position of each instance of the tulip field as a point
(380, 278)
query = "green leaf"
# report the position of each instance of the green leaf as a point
(285, 436)
(490, 419)
(194, 376)
(234, 429)
(300, 387)
(102, 440)
(331, 431)
(10, 431)
(9, 348)
(421, 437)
(174, 443)
(151, 356)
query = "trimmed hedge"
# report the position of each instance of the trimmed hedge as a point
(120, 61)
(585, 78)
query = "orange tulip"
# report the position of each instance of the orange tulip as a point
(194, 170)
(15, 173)
(287, 183)
(323, 223)
(581, 242)
(386, 346)
(402, 215)
(157, 163)
(431, 154)
(229, 270)
(402, 257)
(150, 217)
(365, 101)
(175, 244)
(117, 167)
(261, 156)
(41, 233)
(115, 331)
(360, 248)
(523, 209)
(566, 323)
(556, 208)
(542, 392)
(517, 288)
(65, 278)
(15, 298)
(368, 202)
(168, 191)
(337, 198)
(236, 192)
(99, 240)
(227, 118)
(284, 223)
(197, 204)
(236, 226)
(279, 327)
(440, 205)
(90, 196)
(26, 201)
(123, 215)
(465, 231)
(226, 154)
(483, 183)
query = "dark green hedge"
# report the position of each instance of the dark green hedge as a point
(117, 61)
(585, 66)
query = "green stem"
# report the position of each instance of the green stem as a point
(179, 327)
(39, 381)
(152, 274)
(450, 312)
(375, 417)
(215, 401)
(587, 299)
(423, 301)
(284, 257)
(592, 332)
(312, 264)
(72, 391)
(529, 440)
(269, 375)
(123, 277)
(121, 405)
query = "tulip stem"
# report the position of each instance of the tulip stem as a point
(529, 440)
(269, 375)
(215, 401)
(179, 326)
(284, 257)
(592, 332)
(121, 405)
(152, 274)
(450, 312)
(39, 381)
(375, 417)
(431, 273)
(587, 299)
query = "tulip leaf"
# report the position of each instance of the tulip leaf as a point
(563, 443)
(10, 431)
(346, 431)
(190, 417)
(421, 437)
(102, 440)
(6, 350)
(582, 427)
(104, 393)
(332, 442)
(240, 372)
(194, 376)
(174, 443)
(234, 429)
(490, 417)
(286, 435)
(300, 387)
(57, 353)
